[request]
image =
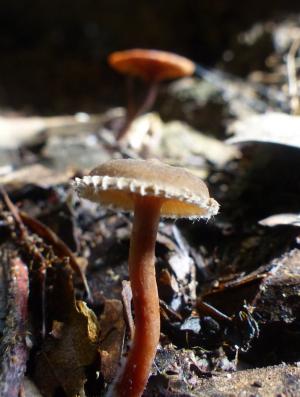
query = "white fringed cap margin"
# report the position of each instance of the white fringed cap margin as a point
(116, 183)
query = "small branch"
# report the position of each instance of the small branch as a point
(211, 311)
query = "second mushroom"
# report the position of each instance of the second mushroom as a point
(151, 66)
(149, 189)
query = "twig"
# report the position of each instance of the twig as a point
(15, 212)
(213, 312)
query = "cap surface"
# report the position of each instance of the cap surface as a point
(152, 65)
(116, 183)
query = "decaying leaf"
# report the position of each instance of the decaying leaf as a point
(281, 219)
(70, 348)
(36, 174)
(112, 326)
(278, 298)
(186, 146)
(278, 128)
(20, 131)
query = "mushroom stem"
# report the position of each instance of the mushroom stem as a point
(145, 298)
(143, 108)
(130, 100)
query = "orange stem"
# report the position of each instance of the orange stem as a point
(145, 298)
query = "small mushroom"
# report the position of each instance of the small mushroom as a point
(150, 189)
(152, 66)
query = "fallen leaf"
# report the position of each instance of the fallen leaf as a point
(183, 144)
(277, 128)
(71, 346)
(281, 219)
(36, 174)
(20, 131)
(112, 326)
(278, 298)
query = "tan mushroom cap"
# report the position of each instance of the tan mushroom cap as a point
(153, 65)
(115, 183)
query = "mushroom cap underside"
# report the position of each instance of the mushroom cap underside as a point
(153, 65)
(116, 183)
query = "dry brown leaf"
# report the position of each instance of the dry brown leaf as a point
(71, 347)
(112, 326)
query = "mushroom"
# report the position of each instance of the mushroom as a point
(152, 66)
(150, 189)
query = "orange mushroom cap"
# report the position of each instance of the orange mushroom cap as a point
(151, 65)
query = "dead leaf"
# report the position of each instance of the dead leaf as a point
(277, 128)
(183, 144)
(278, 298)
(35, 174)
(281, 219)
(19, 131)
(70, 348)
(112, 326)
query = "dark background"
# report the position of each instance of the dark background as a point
(53, 53)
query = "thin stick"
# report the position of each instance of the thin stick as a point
(212, 311)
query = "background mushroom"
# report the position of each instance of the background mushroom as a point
(152, 66)
(150, 189)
